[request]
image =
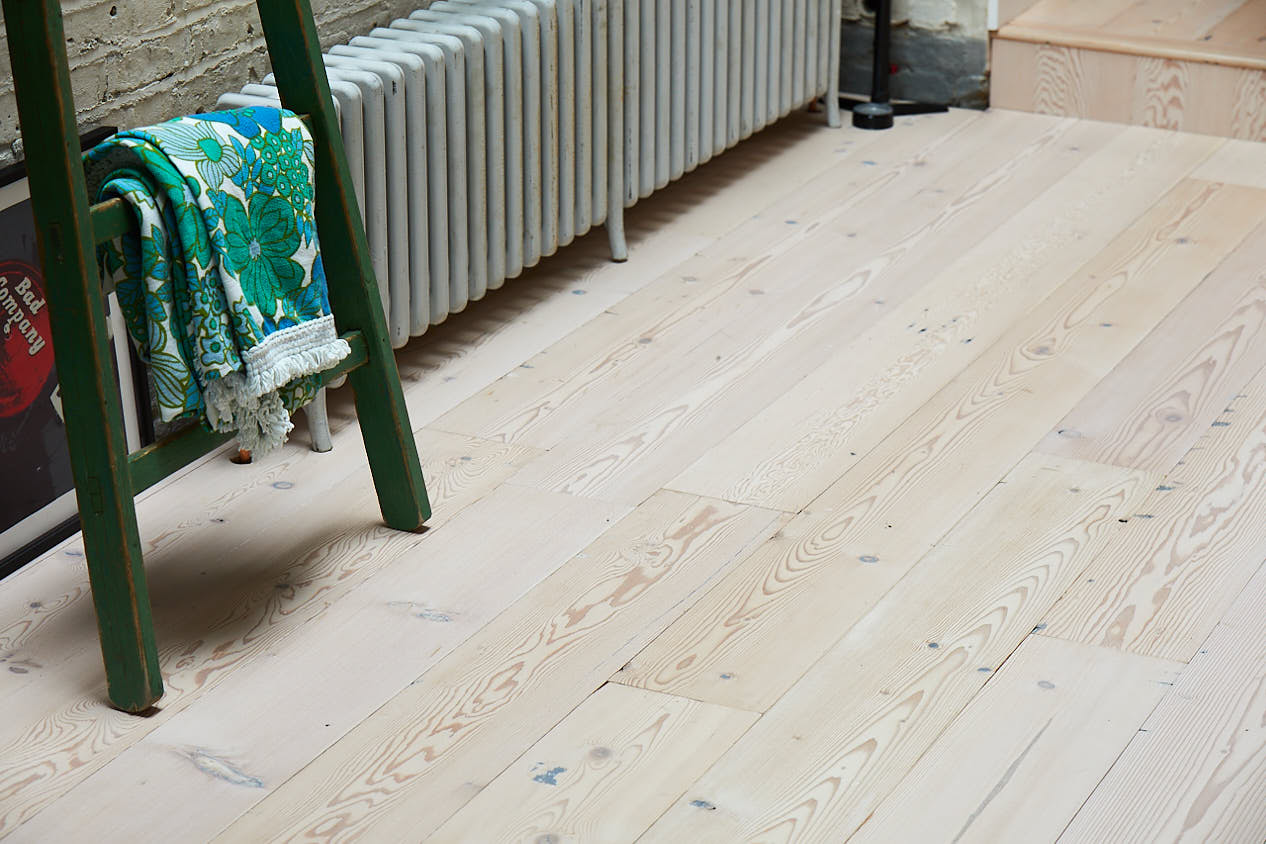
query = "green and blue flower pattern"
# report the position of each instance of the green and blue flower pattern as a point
(225, 251)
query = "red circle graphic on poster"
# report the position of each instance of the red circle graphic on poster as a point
(26, 353)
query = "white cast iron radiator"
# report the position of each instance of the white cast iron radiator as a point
(484, 134)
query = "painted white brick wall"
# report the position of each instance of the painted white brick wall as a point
(968, 16)
(137, 62)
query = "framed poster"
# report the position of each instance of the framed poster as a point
(37, 498)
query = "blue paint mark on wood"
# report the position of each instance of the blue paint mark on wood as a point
(549, 777)
(221, 769)
(703, 804)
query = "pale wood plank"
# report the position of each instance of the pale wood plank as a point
(855, 541)
(1193, 544)
(1076, 13)
(374, 642)
(1009, 10)
(58, 729)
(1021, 759)
(1188, 20)
(406, 769)
(636, 444)
(605, 773)
(1114, 43)
(1237, 162)
(1153, 407)
(455, 360)
(1163, 87)
(820, 760)
(1058, 79)
(1243, 30)
(796, 447)
(1197, 769)
(542, 403)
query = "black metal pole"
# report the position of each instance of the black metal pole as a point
(882, 66)
(878, 112)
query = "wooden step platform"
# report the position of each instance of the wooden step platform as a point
(1192, 65)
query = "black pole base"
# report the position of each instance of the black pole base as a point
(869, 121)
(872, 116)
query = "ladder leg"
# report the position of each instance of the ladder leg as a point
(94, 418)
(295, 51)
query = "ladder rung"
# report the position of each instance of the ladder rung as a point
(111, 218)
(155, 462)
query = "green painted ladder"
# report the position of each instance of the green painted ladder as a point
(68, 226)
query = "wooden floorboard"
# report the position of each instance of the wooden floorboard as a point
(882, 493)
(1196, 769)
(1193, 543)
(814, 767)
(1022, 758)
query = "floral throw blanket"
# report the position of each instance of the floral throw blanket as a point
(221, 284)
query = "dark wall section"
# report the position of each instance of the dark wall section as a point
(941, 66)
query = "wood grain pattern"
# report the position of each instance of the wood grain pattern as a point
(547, 401)
(57, 733)
(1192, 546)
(604, 774)
(1021, 759)
(818, 762)
(864, 533)
(376, 641)
(395, 693)
(1190, 65)
(1235, 162)
(1196, 771)
(402, 772)
(731, 376)
(1163, 397)
(796, 447)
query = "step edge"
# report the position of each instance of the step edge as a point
(1139, 46)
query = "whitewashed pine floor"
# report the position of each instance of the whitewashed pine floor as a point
(905, 486)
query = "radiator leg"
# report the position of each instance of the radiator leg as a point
(833, 67)
(615, 233)
(318, 423)
(615, 123)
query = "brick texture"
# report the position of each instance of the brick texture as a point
(138, 62)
